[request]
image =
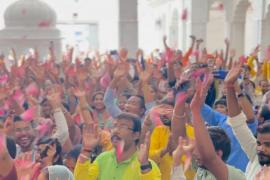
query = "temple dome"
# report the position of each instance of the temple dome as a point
(29, 13)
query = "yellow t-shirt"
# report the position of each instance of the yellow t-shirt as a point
(159, 140)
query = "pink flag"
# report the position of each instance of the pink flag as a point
(42, 129)
(184, 14)
(243, 59)
(44, 23)
(267, 53)
(198, 73)
(77, 119)
(71, 71)
(32, 90)
(3, 79)
(2, 112)
(105, 80)
(29, 114)
(19, 97)
(220, 7)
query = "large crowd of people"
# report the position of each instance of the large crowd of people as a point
(169, 115)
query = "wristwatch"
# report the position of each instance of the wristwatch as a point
(146, 166)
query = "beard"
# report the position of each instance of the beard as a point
(263, 159)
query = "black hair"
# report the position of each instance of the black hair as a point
(52, 141)
(17, 119)
(131, 117)
(142, 102)
(97, 93)
(126, 94)
(221, 101)
(11, 147)
(264, 128)
(265, 112)
(220, 141)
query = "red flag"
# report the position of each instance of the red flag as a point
(184, 14)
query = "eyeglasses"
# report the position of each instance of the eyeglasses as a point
(121, 126)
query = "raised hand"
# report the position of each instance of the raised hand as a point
(234, 73)
(182, 148)
(121, 70)
(256, 51)
(199, 97)
(146, 74)
(144, 150)
(26, 168)
(78, 92)
(54, 97)
(91, 136)
(232, 53)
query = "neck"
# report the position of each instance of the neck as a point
(127, 154)
(26, 149)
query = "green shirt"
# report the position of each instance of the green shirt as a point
(106, 167)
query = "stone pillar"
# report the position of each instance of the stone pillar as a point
(236, 33)
(128, 25)
(197, 19)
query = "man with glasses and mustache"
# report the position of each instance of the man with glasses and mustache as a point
(125, 161)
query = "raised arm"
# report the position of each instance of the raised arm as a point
(6, 163)
(84, 107)
(62, 133)
(109, 97)
(203, 141)
(238, 119)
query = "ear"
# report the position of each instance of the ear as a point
(220, 153)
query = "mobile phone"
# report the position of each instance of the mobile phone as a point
(183, 87)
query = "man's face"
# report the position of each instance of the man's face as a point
(221, 108)
(263, 148)
(264, 86)
(24, 134)
(122, 132)
(133, 106)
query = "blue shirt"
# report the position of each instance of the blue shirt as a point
(237, 157)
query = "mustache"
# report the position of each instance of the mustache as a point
(262, 154)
